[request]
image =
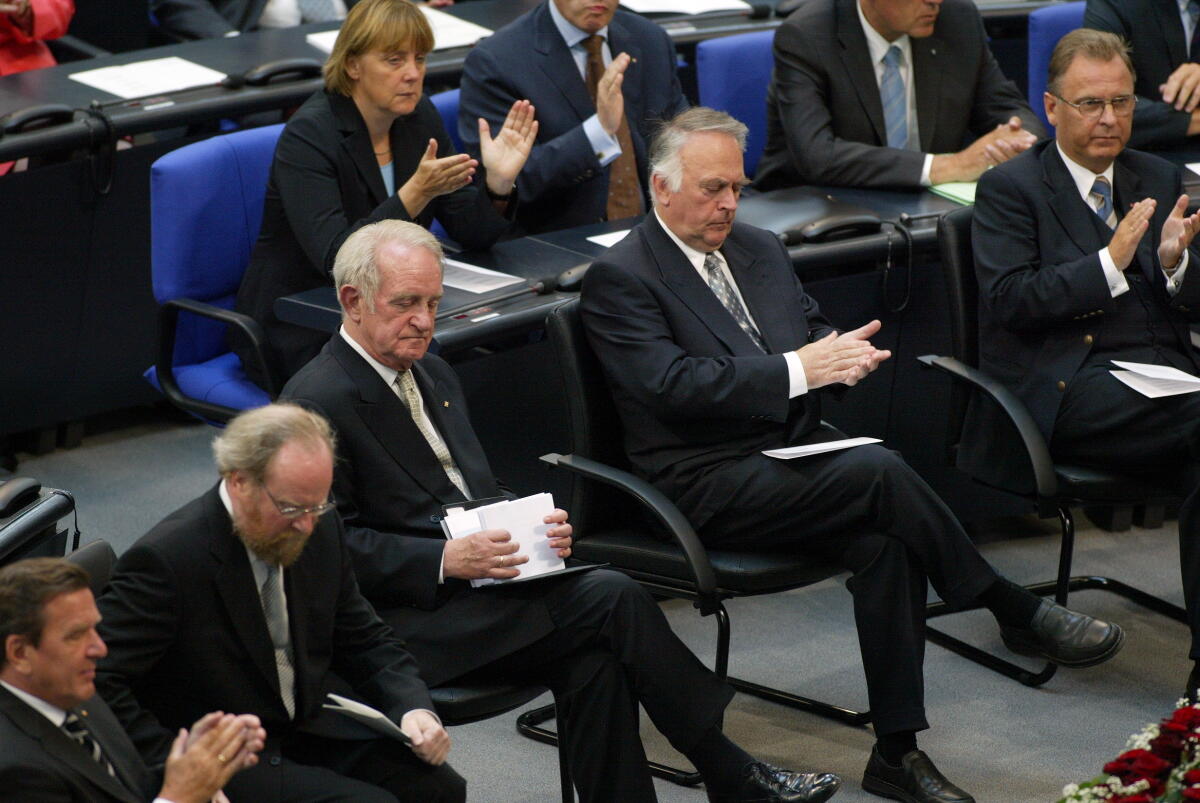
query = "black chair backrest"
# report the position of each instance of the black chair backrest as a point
(98, 558)
(962, 293)
(596, 429)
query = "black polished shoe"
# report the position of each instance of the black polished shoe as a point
(762, 782)
(916, 780)
(1065, 637)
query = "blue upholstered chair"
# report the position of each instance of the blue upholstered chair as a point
(732, 74)
(1046, 26)
(206, 203)
(447, 106)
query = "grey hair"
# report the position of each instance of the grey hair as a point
(253, 438)
(357, 264)
(670, 139)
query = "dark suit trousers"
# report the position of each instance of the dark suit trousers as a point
(305, 768)
(611, 649)
(1104, 423)
(866, 510)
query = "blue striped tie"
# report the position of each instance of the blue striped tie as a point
(1102, 192)
(895, 100)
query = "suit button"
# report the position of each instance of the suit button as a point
(1062, 385)
(1088, 339)
(275, 761)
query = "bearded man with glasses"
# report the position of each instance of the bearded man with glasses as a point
(1084, 255)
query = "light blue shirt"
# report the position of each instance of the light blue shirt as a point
(389, 179)
(606, 147)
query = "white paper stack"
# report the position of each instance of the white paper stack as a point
(523, 518)
(145, 78)
(475, 279)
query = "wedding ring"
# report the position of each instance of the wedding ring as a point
(221, 758)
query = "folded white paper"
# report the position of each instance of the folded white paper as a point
(371, 717)
(523, 518)
(608, 240)
(792, 452)
(475, 279)
(144, 78)
(1155, 381)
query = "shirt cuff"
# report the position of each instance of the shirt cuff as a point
(926, 170)
(442, 566)
(606, 147)
(1175, 280)
(427, 711)
(797, 381)
(163, 800)
(1116, 280)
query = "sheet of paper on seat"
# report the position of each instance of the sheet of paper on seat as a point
(962, 192)
(608, 240)
(475, 279)
(1155, 381)
(809, 449)
(523, 518)
(152, 77)
(371, 717)
(684, 6)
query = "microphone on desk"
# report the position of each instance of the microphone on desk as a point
(760, 11)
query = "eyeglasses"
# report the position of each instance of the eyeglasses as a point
(295, 511)
(1093, 108)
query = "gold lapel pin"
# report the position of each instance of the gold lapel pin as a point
(445, 404)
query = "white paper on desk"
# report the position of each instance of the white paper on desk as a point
(608, 240)
(810, 449)
(684, 6)
(450, 31)
(1194, 167)
(1155, 381)
(475, 279)
(373, 718)
(153, 77)
(323, 41)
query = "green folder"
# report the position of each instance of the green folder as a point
(962, 192)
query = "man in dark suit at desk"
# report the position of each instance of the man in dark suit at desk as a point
(245, 598)
(597, 639)
(1166, 63)
(888, 93)
(209, 19)
(61, 742)
(600, 79)
(714, 353)
(1084, 255)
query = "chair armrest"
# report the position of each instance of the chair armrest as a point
(72, 48)
(1045, 479)
(662, 508)
(168, 317)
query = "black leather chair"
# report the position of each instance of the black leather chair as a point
(625, 522)
(1051, 488)
(97, 558)
(29, 520)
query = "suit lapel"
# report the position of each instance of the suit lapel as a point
(356, 143)
(559, 66)
(926, 74)
(1073, 214)
(774, 324)
(684, 281)
(452, 423)
(57, 746)
(620, 40)
(239, 594)
(390, 422)
(857, 61)
(1171, 27)
(116, 745)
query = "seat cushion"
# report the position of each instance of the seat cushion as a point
(1086, 484)
(458, 704)
(738, 573)
(220, 380)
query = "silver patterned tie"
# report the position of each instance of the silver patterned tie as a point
(272, 605)
(724, 292)
(74, 727)
(412, 400)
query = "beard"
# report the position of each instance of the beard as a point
(278, 549)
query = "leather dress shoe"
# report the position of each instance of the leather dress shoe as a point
(1065, 637)
(762, 782)
(916, 780)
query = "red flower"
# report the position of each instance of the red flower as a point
(1133, 765)
(1187, 716)
(1168, 745)
(1191, 792)
(1140, 797)
(1191, 777)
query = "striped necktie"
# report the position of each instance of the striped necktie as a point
(73, 726)
(1102, 199)
(895, 100)
(271, 597)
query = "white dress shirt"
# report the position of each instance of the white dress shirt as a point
(877, 48)
(797, 382)
(1084, 179)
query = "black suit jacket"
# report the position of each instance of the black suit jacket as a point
(390, 488)
(824, 116)
(562, 183)
(694, 393)
(41, 763)
(206, 19)
(325, 184)
(1159, 46)
(186, 634)
(1042, 290)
